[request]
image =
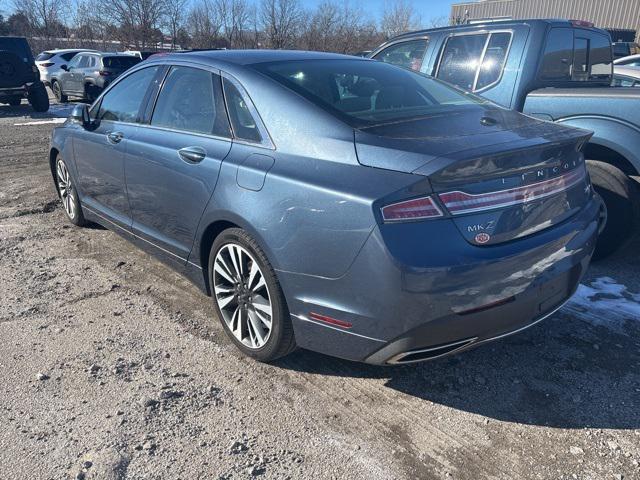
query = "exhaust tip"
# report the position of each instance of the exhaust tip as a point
(430, 353)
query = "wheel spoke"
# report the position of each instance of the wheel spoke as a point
(242, 295)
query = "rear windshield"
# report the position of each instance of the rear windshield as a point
(19, 46)
(365, 92)
(44, 56)
(120, 62)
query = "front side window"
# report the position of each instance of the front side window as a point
(83, 61)
(75, 61)
(122, 103)
(406, 54)
(191, 101)
(364, 93)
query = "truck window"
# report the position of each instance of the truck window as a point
(405, 54)
(557, 57)
(590, 59)
(460, 59)
(494, 59)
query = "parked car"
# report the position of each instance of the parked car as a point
(142, 54)
(402, 220)
(630, 61)
(19, 76)
(89, 73)
(624, 76)
(624, 49)
(555, 70)
(50, 61)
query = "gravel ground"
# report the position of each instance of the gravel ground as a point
(114, 367)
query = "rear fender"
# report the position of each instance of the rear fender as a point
(615, 134)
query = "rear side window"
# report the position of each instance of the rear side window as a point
(122, 102)
(406, 54)
(44, 56)
(243, 123)
(120, 62)
(460, 59)
(576, 55)
(191, 101)
(68, 56)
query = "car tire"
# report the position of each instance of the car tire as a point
(57, 92)
(68, 193)
(14, 101)
(39, 98)
(622, 201)
(249, 303)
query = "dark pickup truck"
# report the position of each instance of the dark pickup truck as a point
(555, 70)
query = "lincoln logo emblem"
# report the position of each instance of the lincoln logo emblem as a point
(482, 237)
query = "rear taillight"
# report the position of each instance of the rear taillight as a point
(47, 64)
(459, 203)
(414, 209)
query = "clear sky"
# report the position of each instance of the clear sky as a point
(427, 9)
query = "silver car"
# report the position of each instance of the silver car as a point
(49, 61)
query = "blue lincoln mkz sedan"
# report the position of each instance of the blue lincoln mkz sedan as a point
(335, 203)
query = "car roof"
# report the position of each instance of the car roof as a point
(489, 24)
(627, 58)
(627, 70)
(69, 50)
(248, 57)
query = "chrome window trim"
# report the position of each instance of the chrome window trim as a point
(185, 132)
(267, 141)
(489, 33)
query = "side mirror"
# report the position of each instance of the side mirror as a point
(64, 67)
(80, 114)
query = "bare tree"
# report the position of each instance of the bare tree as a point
(234, 18)
(204, 25)
(138, 21)
(46, 17)
(399, 16)
(174, 19)
(281, 21)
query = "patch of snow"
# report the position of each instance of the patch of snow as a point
(605, 302)
(41, 122)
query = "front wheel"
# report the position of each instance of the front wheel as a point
(248, 298)
(57, 92)
(68, 194)
(622, 202)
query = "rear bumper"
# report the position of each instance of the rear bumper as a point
(452, 296)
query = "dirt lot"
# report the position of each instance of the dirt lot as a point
(113, 367)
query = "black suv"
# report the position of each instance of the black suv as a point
(19, 76)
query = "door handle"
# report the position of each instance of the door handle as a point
(114, 137)
(192, 154)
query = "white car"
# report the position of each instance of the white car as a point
(628, 61)
(50, 61)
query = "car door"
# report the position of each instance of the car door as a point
(99, 150)
(173, 161)
(66, 77)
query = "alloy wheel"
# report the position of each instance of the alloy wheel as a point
(65, 188)
(242, 295)
(57, 91)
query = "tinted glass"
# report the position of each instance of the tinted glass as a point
(364, 93)
(44, 56)
(91, 61)
(119, 62)
(493, 60)
(122, 102)
(620, 81)
(600, 59)
(243, 123)
(558, 52)
(621, 49)
(68, 56)
(405, 54)
(580, 59)
(75, 61)
(460, 59)
(191, 101)
(19, 46)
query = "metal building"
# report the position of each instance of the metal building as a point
(620, 17)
